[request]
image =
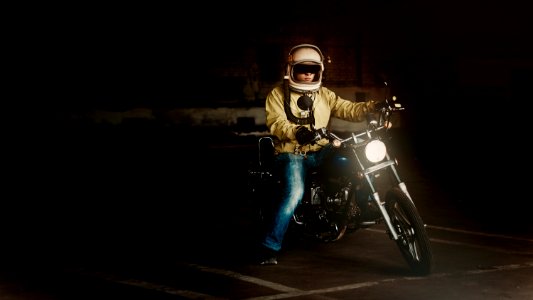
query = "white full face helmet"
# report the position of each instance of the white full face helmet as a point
(305, 58)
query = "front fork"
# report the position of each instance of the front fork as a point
(381, 205)
(376, 197)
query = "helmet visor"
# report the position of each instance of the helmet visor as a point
(303, 69)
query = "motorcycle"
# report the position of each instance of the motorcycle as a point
(357, 186)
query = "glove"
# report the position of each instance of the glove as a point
(304, 136)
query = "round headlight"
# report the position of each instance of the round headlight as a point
(375, 151)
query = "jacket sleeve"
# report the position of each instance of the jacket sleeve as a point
(276, 119)
(345, 109)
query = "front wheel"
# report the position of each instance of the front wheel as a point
(413, 240)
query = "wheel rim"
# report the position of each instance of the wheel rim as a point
(406, 234)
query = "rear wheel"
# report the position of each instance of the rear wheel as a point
(413, 240)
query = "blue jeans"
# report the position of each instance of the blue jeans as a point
(292, 170)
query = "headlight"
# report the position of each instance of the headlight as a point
(375, 151)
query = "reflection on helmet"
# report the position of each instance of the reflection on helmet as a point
(305, 58)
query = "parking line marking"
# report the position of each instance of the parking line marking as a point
(374, 283)
(289, 292)
(493, 249)
(258, 281)
(501, 236)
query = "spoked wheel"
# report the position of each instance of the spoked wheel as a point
(413, 240)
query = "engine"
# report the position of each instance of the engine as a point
(329, 207)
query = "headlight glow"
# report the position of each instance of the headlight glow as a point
(375, 151)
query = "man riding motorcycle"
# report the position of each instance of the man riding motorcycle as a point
(293, 110)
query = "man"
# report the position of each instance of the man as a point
(293, 110)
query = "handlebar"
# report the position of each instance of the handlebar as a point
(376, 121)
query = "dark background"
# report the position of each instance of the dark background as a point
(462, 68)
(468, 127)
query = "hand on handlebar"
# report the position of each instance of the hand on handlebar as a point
(305, 136)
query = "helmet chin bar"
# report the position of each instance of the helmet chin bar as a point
(304, 88)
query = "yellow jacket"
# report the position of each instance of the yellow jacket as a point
(326, 104)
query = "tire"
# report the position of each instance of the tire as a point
(413, 240)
